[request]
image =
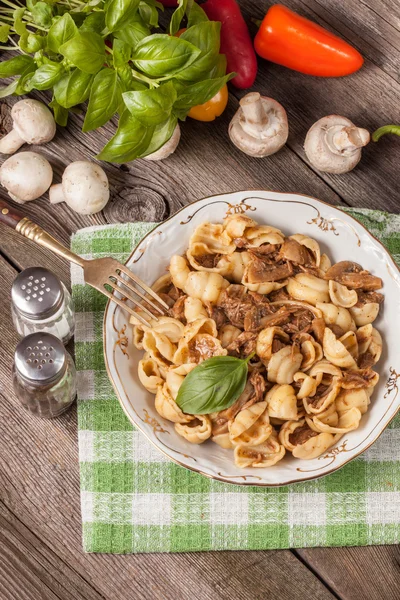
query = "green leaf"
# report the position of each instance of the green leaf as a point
(121, 53)
(131, 140)
(19, 25)
(45, 77)
(161, 135)
(213, 385)
(9, 89)
(4, 32)
(86, 51)
(161, 55)
(42, 14)
(94, 22)
(23, 81)
(197, 93)
(30, 4)
(16, 65)
(104, 99)
(62, 30)
(178, 15)
(196, 15)
(220, 67)
(73, 89)
(31, 42)
(60, 113)
(134, 32)
(206, 37)
(120, 12)
(151, 107)
(149, 13)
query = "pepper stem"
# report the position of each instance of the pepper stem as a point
(395, 129)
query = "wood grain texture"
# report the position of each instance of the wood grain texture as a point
(40, 528)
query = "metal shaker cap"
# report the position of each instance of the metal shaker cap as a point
(37, 293)
(40, 358)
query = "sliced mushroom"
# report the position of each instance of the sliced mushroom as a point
(260, 126)
(352, 276)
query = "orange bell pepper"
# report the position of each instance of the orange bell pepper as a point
(290, 40)
(212, 109)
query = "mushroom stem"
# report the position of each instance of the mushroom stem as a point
(255, 117)
(11, 142)
(56, 194)
(345, 140)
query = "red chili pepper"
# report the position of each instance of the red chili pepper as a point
(290, 40)
(235, 40)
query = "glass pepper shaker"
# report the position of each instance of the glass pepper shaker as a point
(44, 375)
(41, 302)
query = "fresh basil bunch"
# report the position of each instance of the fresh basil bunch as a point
(104, 52)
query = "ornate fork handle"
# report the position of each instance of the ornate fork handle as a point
(16, 220)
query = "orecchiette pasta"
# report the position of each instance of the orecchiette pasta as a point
(282, 402)
(308, 288)
(337, 351)
(149, 375)
(305, 325)
(196, 431)
(340, 295)
(193, 309)
(283, 364)
(337, 316)
(167, 407)
(264, 455)
(364, 314)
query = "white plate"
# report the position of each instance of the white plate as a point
(343, 238)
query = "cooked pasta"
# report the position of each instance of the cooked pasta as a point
(245, 289)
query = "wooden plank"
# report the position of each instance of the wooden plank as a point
(39, 483)
(369, 573)
(27, 564)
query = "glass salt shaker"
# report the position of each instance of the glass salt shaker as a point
(44, 375)
(41, 302)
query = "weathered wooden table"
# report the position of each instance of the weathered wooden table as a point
(40, 535)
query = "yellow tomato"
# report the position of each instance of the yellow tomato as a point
(211, 109)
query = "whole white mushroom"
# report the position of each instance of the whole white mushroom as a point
(334, 143)
(33, 123)
(84, 187)
(260, 126)
(26, 176)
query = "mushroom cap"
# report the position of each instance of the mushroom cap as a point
(319, 152)
(85, 187)
(168, 148)
(270, 140)
(26, 176)
(33, 121)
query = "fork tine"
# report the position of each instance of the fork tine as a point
(136, 291)
(125, 306)
(117, 288)
(145, 287)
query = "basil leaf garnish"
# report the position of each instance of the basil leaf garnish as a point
(213, 385)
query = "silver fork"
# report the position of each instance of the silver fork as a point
(98, 273)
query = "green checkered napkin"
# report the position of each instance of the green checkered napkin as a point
(135, 500)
